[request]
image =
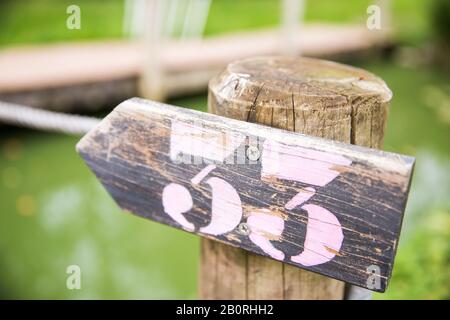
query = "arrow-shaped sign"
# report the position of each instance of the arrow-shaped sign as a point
(321, 205)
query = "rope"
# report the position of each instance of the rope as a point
(39, 119)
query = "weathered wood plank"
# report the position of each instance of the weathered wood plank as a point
(332, 208)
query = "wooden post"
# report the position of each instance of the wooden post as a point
(309, 96)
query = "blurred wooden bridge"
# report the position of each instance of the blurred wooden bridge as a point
(89, 76)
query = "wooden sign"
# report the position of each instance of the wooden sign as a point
(324, 206)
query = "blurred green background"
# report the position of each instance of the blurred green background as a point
(54, 213)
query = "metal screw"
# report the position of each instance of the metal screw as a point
(253, 153)
(243, 229)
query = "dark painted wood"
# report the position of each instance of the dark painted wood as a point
(366, 190)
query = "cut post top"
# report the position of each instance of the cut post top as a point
(311, 96)
(306, 83)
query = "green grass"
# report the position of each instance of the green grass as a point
(54, 213)
(43, 21)
(422, 267)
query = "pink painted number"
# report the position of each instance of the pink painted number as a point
(324, 234)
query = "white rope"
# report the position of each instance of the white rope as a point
(34, 118)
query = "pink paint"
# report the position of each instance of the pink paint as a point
(300, 164)
(300, 198)
(226, 207)
(202, 174)
(306, 153)
(202, 142)
(176, 200)
(261, 225)
(324, 232)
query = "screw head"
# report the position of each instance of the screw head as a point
(253, 153)
(243, 229)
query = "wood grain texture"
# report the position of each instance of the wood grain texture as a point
(135, 154)
(309, 96)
